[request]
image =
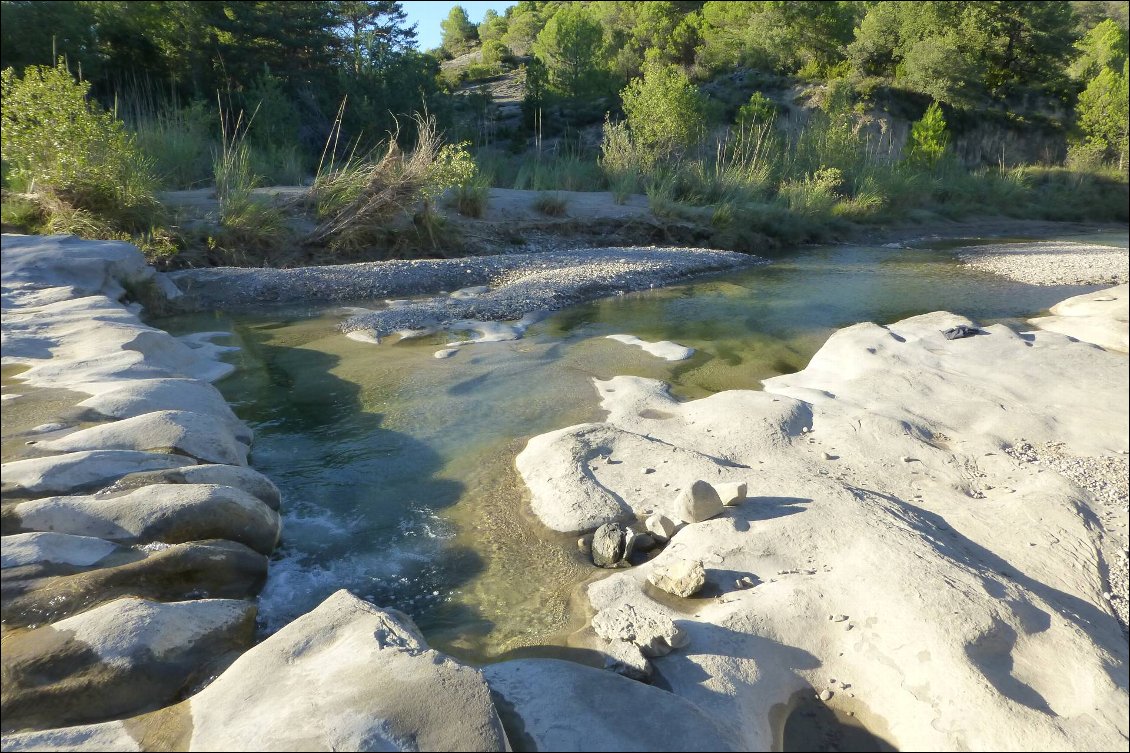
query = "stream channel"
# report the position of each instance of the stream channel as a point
(397, 468)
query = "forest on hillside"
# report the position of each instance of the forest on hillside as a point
(800, 115)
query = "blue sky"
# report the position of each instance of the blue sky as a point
(427, 17)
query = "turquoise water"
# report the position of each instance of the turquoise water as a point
(397, 468)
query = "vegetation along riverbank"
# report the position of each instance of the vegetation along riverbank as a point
(742, 126)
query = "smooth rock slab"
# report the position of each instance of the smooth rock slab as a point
(170, 513)
(198, 435)
(241, 477)
(45, 592)
(137, 397)
(655, 633)
(59, 548)
(558, 705)
(681, 578)
(124, 657)
(346, 676)
(80, 471)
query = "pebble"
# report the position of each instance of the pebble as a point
(826, 695)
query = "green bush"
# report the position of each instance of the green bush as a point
(928, 137)
(66, 148)
(665, 112)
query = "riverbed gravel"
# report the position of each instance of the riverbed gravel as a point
(517, 284)
(1051, 262)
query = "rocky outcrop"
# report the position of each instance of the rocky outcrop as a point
(1098, 318)
(135, 536)
(123, 657)
(346, 676)
(549, 704)
(895, 551)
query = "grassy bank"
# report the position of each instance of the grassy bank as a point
(748, 186)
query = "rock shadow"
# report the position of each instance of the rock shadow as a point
(992, 655)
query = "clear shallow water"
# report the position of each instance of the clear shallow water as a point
(397, 468)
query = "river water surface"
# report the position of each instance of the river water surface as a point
(397, 468)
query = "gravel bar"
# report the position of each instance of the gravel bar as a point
(519, 283)
(1051, 262)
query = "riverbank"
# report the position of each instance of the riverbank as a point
(932, 538)
(895, 451)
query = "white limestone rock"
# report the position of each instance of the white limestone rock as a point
(171, 513)
(78, 471)
(682, 577)
(123, 657)
(562, 705)
(698, 501)
(198, 435)
(654, 632)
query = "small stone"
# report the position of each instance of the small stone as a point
(682, 578)
(648, 470)
(660, 526)
(584, 545)
(699, 502)
(744, 582)
(838, 618)
(608, 545)
(826, 695)
(731, 492)
(906, 459)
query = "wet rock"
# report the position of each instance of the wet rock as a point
(45, 592)
(198, 435)
(608, 545)
(168, 513)
(655, 633)
(731, 492)
(698, 502)
(603, 710)
(128, 656)
(681, 578)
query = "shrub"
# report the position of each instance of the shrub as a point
(928, 137)
(551, 204)
(66, 148)
(665, 112)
